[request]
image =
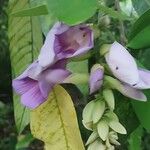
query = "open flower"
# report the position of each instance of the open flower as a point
(65, 41)
(34, 89)
(96, 78)
(124, 67)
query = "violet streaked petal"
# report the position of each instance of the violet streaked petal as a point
(96, 79)
(47, 55)
(45, 88)
(56, 75)
(89, 44)
(23, 85)
(132, 92)
(122, 64)
(61, 64)
(144, 82)
(77, 40)
(32, 98)
(35, 71)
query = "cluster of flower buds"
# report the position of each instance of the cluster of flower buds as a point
(98, 116)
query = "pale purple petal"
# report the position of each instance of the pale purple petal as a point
(56, 75)
(75, 41)
(45, 87)
(144, 82)
(96, 80)
(132, 92)
(26, 72)
(89, 44)
(23, 85)
(47, 54)
(35, 71)
(33, 98)
(122, 64)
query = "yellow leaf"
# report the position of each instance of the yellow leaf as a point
(55, 122)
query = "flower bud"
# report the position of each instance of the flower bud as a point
(103, 129)
(118, 127)
(87, 115)
(109, 98)
(98, 110)
(97, 145)
(92, 138)
(104, 49)
(96, 78)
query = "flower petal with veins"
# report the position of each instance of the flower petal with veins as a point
(122, 64)
(144, 82)
(64, 42)
(32, 98)
(132, 92)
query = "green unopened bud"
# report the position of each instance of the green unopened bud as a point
(104, 21)
(96, 31)
(107, 143)
(77, 78)
(118, 127)
(114, 142)
(104, 49)
(92, 138)
(97, 145)
(112, 83)
(103, 129)
(113, 134)
(111, 148)
(109, 98)
(88, 125)
(96, 66)
(87, 115)
(98, 110)
(111, 116)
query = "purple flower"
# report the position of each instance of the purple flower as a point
(34, 89)
(64, 41)
(124, 67)
(96, 78)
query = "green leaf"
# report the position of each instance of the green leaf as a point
(141, 5)
(142, 110)
(34, 11)
(80, 67)
(113, 13)
(25, 41)
(46, 21)
(140, 32)
(55, 123)
(135, 139)
(24, 141)
(141, 40)
(72, 12)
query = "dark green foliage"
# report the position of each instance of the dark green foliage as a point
(5, 71)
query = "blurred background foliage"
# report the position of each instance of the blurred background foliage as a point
(119, 30)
